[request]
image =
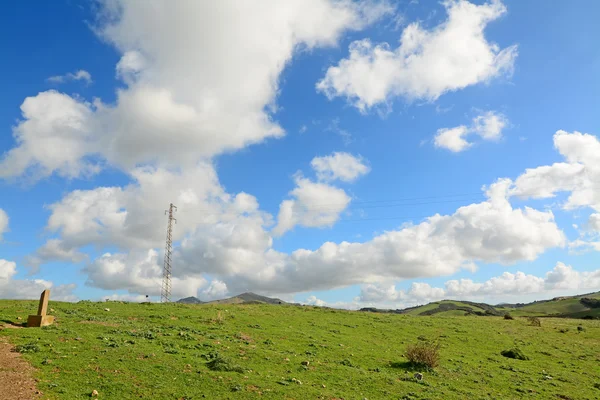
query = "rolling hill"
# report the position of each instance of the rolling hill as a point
(244, 298)
(580, 306)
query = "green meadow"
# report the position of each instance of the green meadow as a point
(237, 351)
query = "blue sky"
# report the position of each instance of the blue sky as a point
(327, 152)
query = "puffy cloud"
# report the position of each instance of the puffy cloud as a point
(314, 301)
(488, 126)
(79, 75)
(55, 135)
(54, 250)
(11, 288)
(579, 175)
(3, 222)
(315, 204)
(452, 139)
(427, 64)
(216, 290)
(137, 272)
(131, 298)
(339, 165)
(177, 108)
(593, 222)
(133, 216)
(561, 277)
(491, 232)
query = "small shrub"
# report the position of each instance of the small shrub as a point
(534, 321)
(219, 319)
(515, 353)
(220, 363)
(580, 328)
(563, 330)
(508, 316)
(27, 348)
(423, 354)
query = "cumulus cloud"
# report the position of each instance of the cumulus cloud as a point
(137, 272)
(488, 126)
(579, 174)
(452, 139)
(55, 135)
(491, 232)
(11, 288)
(216, 290)
(562, 277)
(79, 75)
(314, 204)
(176, 108)
(427, 63)
(3, 222)
(339, 165)
(314, 301)
(54, 250)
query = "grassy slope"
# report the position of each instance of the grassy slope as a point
(434, 305)
(156, 352)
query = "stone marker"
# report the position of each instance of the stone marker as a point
(41, 319)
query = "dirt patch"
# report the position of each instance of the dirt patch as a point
(16, 375)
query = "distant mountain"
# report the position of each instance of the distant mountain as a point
(248, 298)
(580, 306)
(190, 300)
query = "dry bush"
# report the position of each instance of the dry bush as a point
(219, 319)
(534, 321)
(508, 316)
(423, 354)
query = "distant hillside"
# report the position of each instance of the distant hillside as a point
(190, 300)
(580, 306)
(248, 298)
(446, 308)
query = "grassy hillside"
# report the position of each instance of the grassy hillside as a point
(164, 351)
(569, 306)
(451, 307)
(249, 297)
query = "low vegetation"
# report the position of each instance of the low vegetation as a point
(232, 351)
(423, 354)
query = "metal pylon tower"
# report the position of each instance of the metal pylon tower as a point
(165, 293)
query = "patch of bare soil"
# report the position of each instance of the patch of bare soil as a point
(16, 375)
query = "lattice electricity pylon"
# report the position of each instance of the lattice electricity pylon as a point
(165, 293)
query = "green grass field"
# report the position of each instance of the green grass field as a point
(162, 351)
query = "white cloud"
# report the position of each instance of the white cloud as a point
(54, 136)
(594, 222)
(131, 298)
(137, 272)
(314, 301)
(504, 287)
(488, 126)
(452, 139)
(427, 64)
(79, 75)
(54, 250)
(488, 232)
(579, 175)
(314, 204)
(225, 236)
(177, 108)
(339, 165)
(3, 223)
(11, 288)
(216, 290)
